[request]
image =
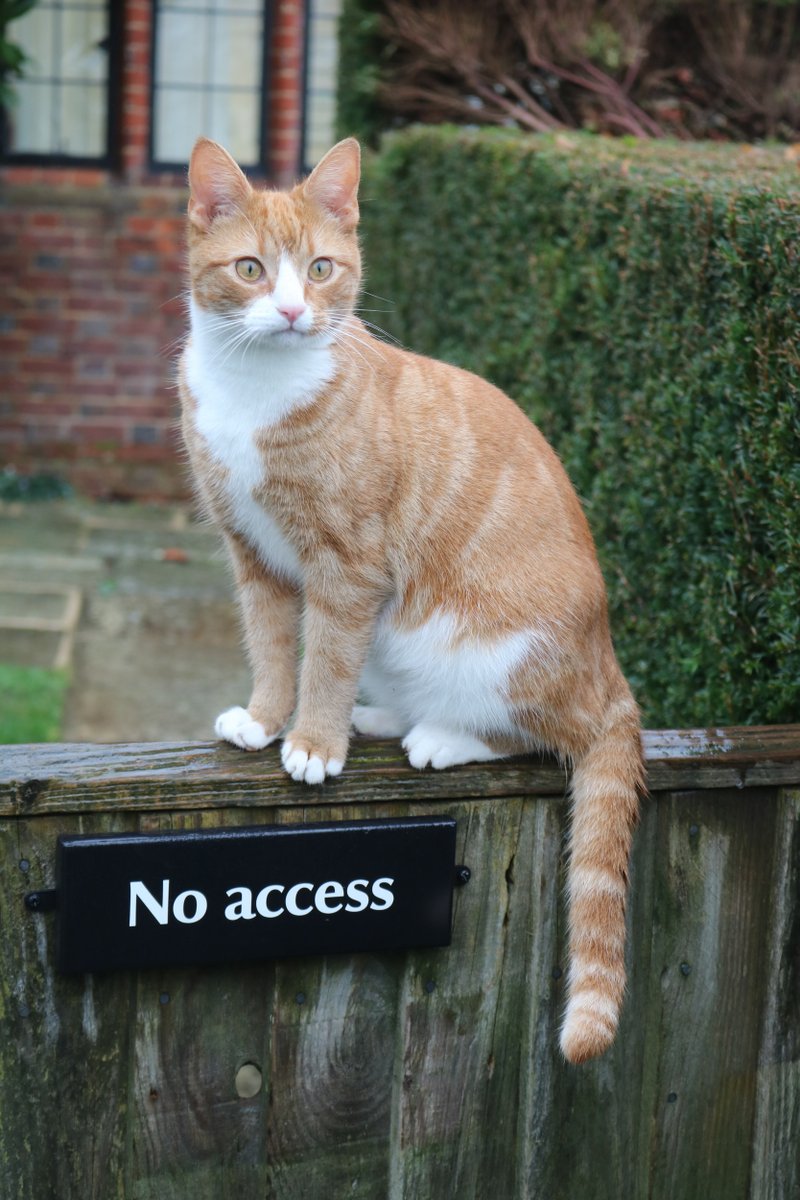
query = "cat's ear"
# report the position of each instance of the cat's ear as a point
(217, 184)
(333, 184)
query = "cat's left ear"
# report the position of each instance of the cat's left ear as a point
(333, 184)
(217, 184)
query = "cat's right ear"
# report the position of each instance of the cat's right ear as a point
(216, 183)
(333, 184)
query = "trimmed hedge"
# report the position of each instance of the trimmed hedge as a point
(642, 303)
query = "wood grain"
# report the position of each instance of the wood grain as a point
(82, 778)
(426, 1074)
(776, 1133)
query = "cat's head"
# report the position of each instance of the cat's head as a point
(274, 268)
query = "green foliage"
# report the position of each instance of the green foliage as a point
(12, 57)
(362, 53)
(40, 486)
(641, 302)
(31, 704)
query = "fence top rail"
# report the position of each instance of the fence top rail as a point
(82, 778)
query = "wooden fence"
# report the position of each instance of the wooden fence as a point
(426, 1075)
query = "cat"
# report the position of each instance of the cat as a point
(410, 521)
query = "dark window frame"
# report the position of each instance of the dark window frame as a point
(303, 166)
(110, 159)
(257, 170)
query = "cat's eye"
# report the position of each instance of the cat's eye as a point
(249, 269)
(320, 268)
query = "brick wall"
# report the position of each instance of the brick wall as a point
(91, 283)
(89, 312)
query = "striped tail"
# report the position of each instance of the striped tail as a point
(605, 791)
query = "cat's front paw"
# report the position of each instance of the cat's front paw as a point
(309, 762)
(236, 725)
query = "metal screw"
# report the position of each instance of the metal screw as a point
(672, 1097)
(24, 866)
(685, 969)
(300, 998)
(557, 972)
(430, 986)
(463, 875)
(163, 998)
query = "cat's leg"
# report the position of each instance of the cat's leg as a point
(337, 627)
(433, 746)
(270, 615)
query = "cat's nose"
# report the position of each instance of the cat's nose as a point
(292, 312)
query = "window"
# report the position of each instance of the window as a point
(209, 73)
(65, 101)
(321, 63)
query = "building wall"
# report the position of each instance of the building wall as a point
(91, 286)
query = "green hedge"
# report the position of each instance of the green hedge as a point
(642, 303)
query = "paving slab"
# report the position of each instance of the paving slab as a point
(154, 649)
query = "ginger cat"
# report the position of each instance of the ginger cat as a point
(417, 527)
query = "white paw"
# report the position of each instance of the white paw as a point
(428, 745)
(380, 722)
(307, 768)
(237, 726)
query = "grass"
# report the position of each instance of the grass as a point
(31, 704)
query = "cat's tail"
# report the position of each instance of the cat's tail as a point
(606, 783)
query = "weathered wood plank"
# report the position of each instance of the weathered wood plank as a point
(586, 1132)
(64, 1047)
(333, 1051)
(433, 1073)
(453, 1034)
(194, 1030)
(525, 1063)
(332, 1057)
(80, 778)
(776, 1134)
(707, 983)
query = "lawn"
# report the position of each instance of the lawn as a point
(31, 704)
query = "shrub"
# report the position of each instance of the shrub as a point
(641, 302)
(362, 56)
(688, 68)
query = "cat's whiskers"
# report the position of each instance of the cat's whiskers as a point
(383, 333)
(344, 333)
(344, 323)
(348, 348)
(239, 337)
(375, 296)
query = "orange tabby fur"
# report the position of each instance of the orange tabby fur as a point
(404, 489)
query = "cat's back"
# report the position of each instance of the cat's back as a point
(472, 446)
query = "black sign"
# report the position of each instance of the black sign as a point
(224, 895)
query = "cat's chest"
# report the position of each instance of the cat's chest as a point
(241, 484)
(230, 413)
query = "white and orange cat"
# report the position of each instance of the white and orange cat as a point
(415, 526)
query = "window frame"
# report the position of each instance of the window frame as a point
(257, 170)
(110, 159)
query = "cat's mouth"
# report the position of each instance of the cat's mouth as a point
(291, 336)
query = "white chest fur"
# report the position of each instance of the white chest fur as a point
(237, 396)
